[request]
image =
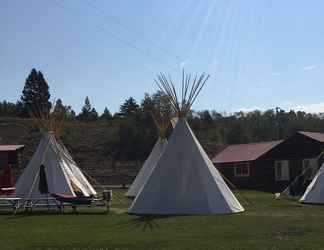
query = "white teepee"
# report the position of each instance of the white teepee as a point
(184, 181)
(62, 173)
(162, 124)
(145, 171)
(315, 191)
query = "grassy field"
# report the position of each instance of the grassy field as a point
(266, 224)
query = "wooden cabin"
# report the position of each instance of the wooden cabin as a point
(11, 154)
(271, 166)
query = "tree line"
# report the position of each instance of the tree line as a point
(135, 126)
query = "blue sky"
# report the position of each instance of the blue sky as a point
(259, 53)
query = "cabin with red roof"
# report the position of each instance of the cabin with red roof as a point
(11, 154)
(271, 166)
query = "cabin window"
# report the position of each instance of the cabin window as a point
(242, 169)
(282, 170)
(310, 168)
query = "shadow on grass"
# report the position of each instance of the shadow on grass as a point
(144, 223)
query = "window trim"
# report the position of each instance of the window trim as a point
(247, 164)
(276, 171)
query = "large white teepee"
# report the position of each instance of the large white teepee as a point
(145, 171)
(184, 181)
(62, 173)
(315, 191)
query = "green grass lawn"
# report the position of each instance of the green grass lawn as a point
(266, 224)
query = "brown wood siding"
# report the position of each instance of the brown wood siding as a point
(262, 170)
(246, 182)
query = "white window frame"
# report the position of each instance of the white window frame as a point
(244, 164)
(284, 163)
(313, 169)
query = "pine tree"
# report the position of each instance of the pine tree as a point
(162, 102)
(86, 109)
(8, 109)
(59, 107)
(93, 114)
(129, 108)
(205, 117)
(63, 110)
(21, 111)
(106, 115)
(88, 113)
(35, 95)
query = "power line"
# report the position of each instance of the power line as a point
(103, 28)
(115, 20)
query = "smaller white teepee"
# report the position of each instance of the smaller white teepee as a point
(162, 125)
(315, 190)
(145, 171)
(61, 172)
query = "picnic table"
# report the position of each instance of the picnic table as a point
(14, 203)
(59, 201)
(30, 203)
(75, 202)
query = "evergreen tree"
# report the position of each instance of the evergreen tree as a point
(147, 104)
(147, 125)
(35, 95)
(93, 114)
(129, 108)
(162, 102)
(21, 111)
(72, 115)
(8, 109)
(88, 113)
(106, 115)
(59, 107)
(86, 109)
(63, 110)
(205, 117)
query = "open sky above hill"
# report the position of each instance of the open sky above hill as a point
(259, 53)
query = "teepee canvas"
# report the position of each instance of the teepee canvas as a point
(162, 125)
(147, 167)
(184, 180)
(315, 191)
(51, 168)
(61, 172)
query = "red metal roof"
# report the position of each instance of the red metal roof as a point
(10, 147)
(314, 135)
(244, 152)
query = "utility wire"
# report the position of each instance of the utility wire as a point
(123, 41)
(143, 35)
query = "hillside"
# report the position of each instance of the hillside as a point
(92, 145)
(113, 150)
